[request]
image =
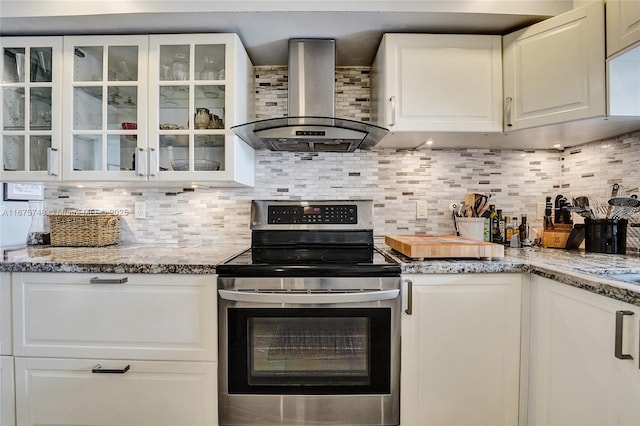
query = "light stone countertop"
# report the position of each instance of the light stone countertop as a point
(576, 268)
(572, 267)
(126, 258)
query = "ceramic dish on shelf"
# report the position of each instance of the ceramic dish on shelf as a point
(199, 165)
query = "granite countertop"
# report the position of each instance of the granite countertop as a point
(575, 268)
(129, 258)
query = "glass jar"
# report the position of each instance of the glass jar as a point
(208, 71)
(180, 67)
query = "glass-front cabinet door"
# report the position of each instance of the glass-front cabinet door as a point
(30, 108)
(105, 102)
(191, 102)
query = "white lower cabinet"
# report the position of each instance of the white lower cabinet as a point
(575, 377)
(66, 392)
(115, 349)
(461, 349)
(7, 393)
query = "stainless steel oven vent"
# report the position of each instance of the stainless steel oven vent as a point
(311, 125)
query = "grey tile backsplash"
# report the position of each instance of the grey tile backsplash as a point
(517, 180)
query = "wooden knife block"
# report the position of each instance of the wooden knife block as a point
(556, 237)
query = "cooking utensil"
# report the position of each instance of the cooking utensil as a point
(614, 193)
(624, 202)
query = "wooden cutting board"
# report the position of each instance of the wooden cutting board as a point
(422, 246)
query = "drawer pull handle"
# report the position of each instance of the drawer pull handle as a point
(98, 369)
(96, 280)
(618, 344)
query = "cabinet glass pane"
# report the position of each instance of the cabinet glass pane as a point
(174, 108)
(209, 61)
(174, 153)
(211, 99)
(174, 62)
(13, 117)
(87, 63)
(14, 65)
(13, 153)
(87, 108)
(208, 152)
(40, 117)
(122, 112)
(41, 59)
(38, 148)
(87, 152)
(123, 63)
(121, 152)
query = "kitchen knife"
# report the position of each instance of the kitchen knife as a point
(557, 207)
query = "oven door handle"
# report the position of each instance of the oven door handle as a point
(308, 298)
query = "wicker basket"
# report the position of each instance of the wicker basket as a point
(77, 229)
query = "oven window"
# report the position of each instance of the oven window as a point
(334, 349)
(309, 351)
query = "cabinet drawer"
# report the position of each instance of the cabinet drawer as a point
(150, 316)
(66, 391)
(5, 313)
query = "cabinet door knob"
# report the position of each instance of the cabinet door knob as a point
(618, 343)
(98, 369)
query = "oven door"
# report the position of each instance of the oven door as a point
(323, 351)
(335, 354)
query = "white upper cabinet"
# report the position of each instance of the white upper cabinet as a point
(426, 84)
(105, 107)
(30, 108)
(554, 70)
(623, 25)
(200, 86)
(156, 108)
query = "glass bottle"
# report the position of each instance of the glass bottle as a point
(498, 227)
(508, 228)
(493, 222)
(522, 229)
(39, 229)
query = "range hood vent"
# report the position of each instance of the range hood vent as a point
(310, 125)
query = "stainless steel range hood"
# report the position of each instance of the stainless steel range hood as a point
(310, 125)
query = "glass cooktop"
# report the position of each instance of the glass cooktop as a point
(309, 261)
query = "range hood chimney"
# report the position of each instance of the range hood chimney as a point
(311, 124)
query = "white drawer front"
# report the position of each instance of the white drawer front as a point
(5, 314)
(66, 392)
(155, 317)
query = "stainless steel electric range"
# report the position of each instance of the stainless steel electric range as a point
(309, 320)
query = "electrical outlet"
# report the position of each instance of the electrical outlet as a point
(140, 210)
(540, 208)
(421, 209)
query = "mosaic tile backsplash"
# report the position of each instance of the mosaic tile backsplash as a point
(517, 181)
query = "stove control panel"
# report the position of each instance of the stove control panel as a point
(312, 214)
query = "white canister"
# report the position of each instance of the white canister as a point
(471, 227)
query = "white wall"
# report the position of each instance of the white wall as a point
(14, 222)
